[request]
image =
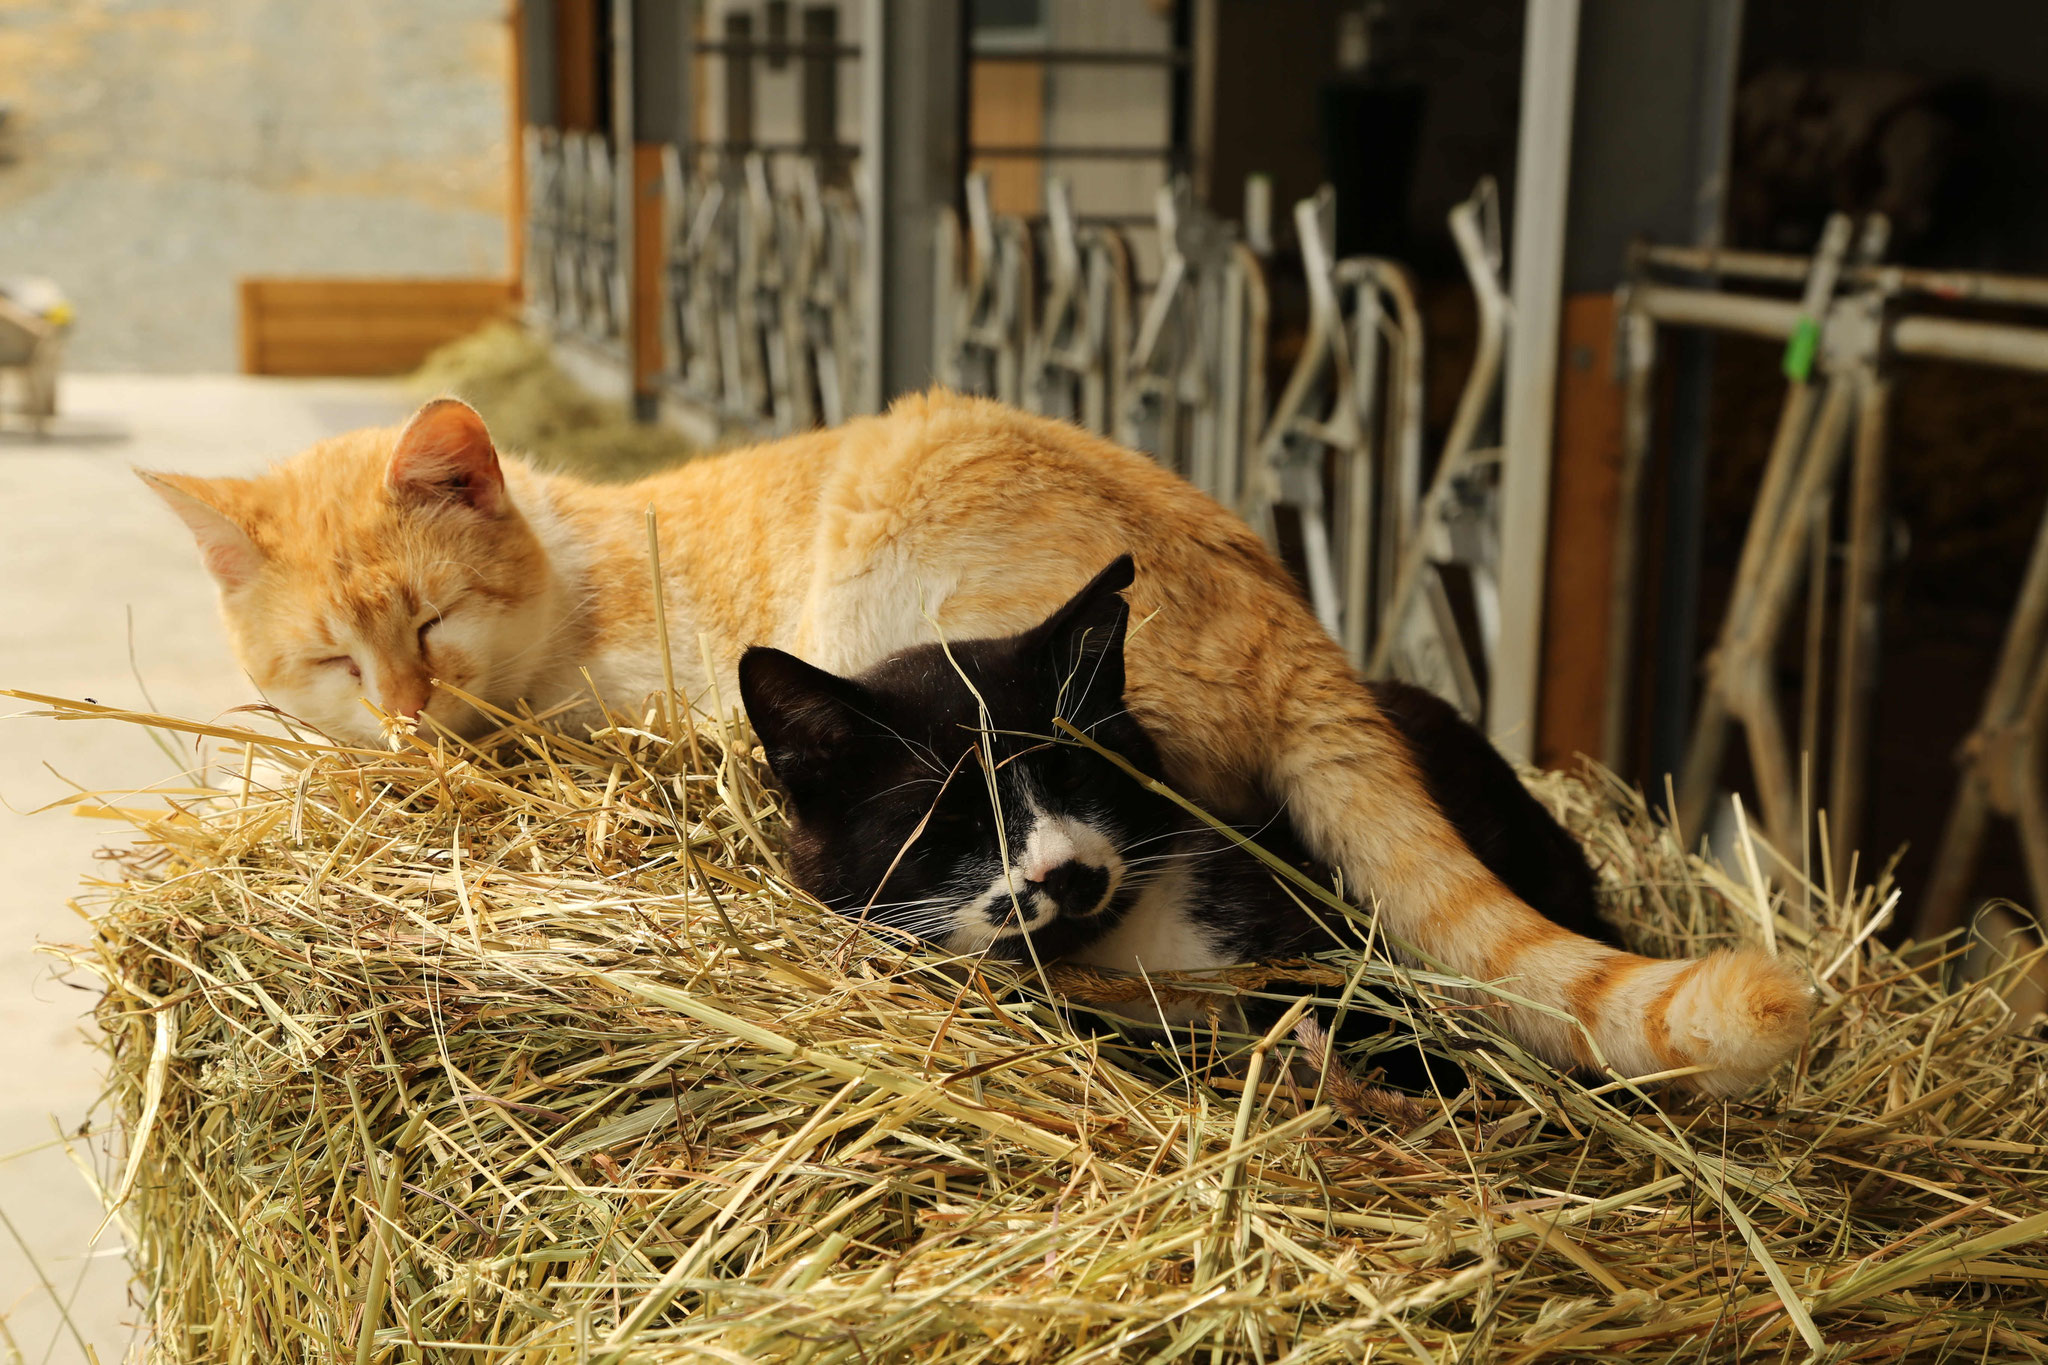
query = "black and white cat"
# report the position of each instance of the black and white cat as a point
(934, 794)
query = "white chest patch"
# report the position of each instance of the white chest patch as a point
(1157, 934)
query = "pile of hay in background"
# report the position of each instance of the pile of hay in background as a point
(534, 409)
(538, 1057)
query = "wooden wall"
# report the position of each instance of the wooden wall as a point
(1007, 109)
(1585, 498)
(360, 326)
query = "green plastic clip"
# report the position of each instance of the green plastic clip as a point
(1800, 349)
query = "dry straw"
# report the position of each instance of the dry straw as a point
(535, 1055)
(510, 376)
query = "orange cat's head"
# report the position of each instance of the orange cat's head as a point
(371, 566)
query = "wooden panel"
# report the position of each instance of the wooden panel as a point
(647, 194)
(360, 327)
(577, 53)
(1584, 502)
(515, 187)
(1008, 110)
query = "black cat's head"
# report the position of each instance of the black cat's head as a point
(934, 794)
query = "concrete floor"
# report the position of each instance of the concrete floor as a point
(82, 546)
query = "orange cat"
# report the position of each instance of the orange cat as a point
(376, 563)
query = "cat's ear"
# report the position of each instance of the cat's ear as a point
(809, 721)
(1083, 645)
(445, 457)
(224, 547)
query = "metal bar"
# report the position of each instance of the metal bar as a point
(1769, 756)
(1679, 307)
(2027, 290)
(1770, 526)
(1979, 343)
(538, 52)
(1191, 94)
(1708, 744)
(2029, 801)
(1082, 56)
(661, 72)
(1119, 220)
(738, 77)
(1738, 684)
(736, 44)
(912, 133)
(1756, 632)
(1048, 151)
(1637, 346)
(819, 85)
(1258, 311)
(1542, 181)
(1857, 650)
(845, 150)
(2019, 658)
(1819, 557)
(1674, 617)
(1468, 232)
(625, 217)
(1673, 634)
(1400, 502)
(1955, 860)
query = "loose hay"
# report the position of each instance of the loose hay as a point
(506, 373)
(540, 1058)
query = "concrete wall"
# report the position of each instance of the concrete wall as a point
(159, 150)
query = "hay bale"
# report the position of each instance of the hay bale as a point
(536, 410)
(538, 1057)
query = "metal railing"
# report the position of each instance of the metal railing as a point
(761, 319)
(574, 285)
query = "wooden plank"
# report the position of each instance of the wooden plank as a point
(381, 296)
(647, 193)
(360, 327)
(251, 293)
(313, 329)
(1008, 110)
(1585, 493)
(339, 357)
(515, 184)
(577, 53)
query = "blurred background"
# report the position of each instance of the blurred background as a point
(1666, 384)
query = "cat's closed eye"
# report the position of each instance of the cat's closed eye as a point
(340, 661)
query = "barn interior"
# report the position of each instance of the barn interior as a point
(1663, 385)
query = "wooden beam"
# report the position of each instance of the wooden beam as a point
(1585, 500)
(360, 326)
(1008, 110)
(647, 264)
(576, 61)
(515, 186)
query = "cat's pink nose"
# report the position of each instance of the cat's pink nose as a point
(408, 702)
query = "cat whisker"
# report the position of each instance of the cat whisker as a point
(891, 906)
(913, 782)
